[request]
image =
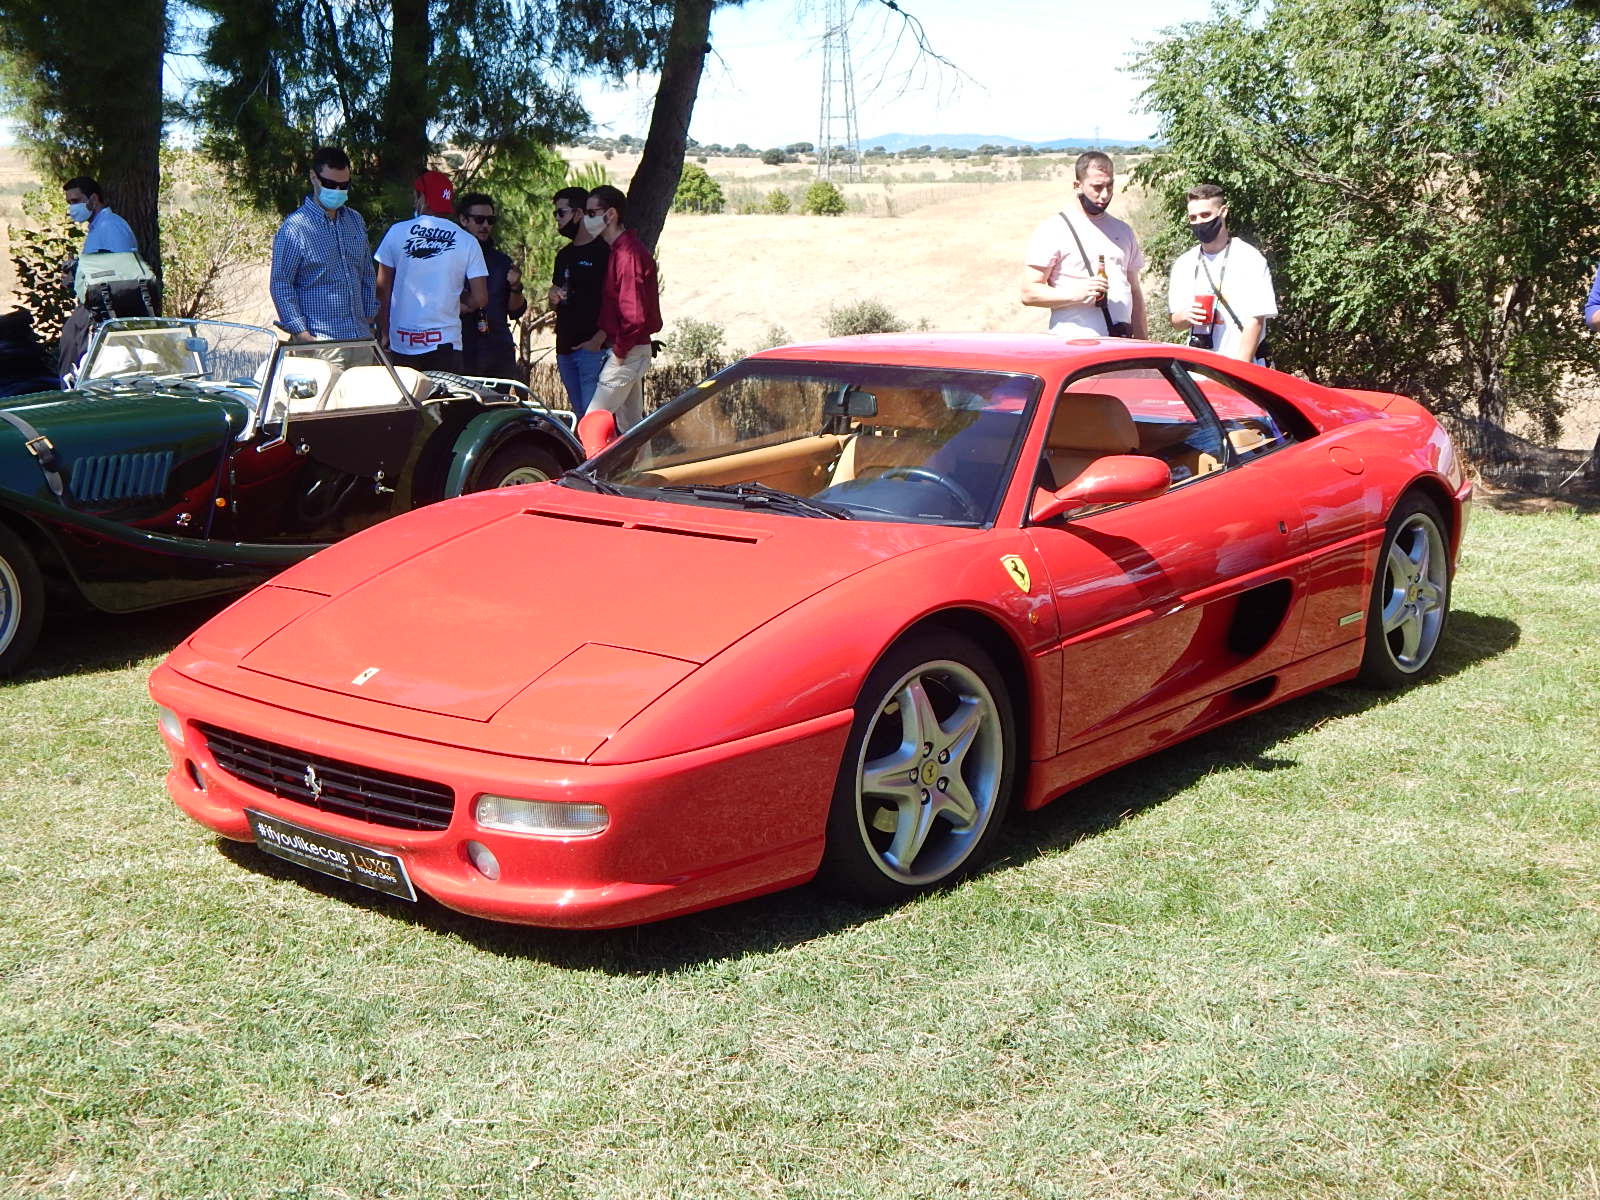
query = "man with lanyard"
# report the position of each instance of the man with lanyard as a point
(322, 281)
(1220, 290)
(424, 265)
(487, 347)
(1083, 264)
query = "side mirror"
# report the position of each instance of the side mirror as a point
(1115, 479)
(300, 387)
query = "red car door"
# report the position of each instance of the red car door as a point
(1165, 602)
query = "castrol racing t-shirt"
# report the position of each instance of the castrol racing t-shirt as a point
(432, 258)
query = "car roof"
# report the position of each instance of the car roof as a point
(1033, 352)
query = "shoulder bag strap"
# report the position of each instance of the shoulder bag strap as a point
(1105, 313)
(1217, 291)
(42, 449)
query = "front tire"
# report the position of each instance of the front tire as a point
(520, 462)
(1410, 603)
(927, 774)
(21, 601)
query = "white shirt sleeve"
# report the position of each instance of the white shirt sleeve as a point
(476, 267)
(1044, 247)
(385, 252)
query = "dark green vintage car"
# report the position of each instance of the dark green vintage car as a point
(198, 457)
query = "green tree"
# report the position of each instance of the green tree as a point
(697, 192)
(777, 201)
(83, 81)
(1422, 178)
(390, 81)
(823, 199)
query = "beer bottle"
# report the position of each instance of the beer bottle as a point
(1105, 297)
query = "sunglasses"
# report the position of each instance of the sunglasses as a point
(332, 184)
(595, 212)
(563, 213)
(482, 218)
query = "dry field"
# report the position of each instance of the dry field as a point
(949, 256)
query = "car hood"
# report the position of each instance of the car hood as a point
(117, 413)
(573, 610)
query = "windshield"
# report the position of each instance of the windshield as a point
(867, 442)
(214, 351)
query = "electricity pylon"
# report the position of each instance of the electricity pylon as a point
(838, 139)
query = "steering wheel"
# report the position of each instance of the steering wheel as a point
(969, 506)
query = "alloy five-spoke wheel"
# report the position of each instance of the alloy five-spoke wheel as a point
(1410, 602)
(927, 774)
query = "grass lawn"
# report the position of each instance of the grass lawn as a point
(1347, 949)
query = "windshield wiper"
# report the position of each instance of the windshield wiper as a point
(589, 480)
(757, 495)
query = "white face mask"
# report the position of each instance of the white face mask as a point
(79, 212)
(594, 224)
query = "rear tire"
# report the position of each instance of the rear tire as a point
(520, 462)
(1410, 603)
(21, 601)
(927, 774)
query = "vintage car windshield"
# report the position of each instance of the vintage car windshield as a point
(869, 442)
(212, 351)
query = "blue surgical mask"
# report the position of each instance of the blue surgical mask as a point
(79, 212)
(332, 197)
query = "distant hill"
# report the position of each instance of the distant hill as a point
(895, 142)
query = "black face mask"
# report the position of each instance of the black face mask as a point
(1206, 231)
(570, 229)
(1090, 207)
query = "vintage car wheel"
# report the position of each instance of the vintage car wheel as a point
(1410, 602)
(21, 601)
(520, 462)
(927, 773)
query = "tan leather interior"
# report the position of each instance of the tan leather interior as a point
(900, 434)
(800, 466)
(318, 370)
(372, 387)
(1087, 426)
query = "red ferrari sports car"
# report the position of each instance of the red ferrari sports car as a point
(830, 614)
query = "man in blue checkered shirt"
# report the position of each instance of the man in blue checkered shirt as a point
(322, 277)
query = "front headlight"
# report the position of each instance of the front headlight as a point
(541, 818)
(171, 723)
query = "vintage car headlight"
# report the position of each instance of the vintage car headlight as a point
(171, 723)
(543, 818)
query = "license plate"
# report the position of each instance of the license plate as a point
(331, 855)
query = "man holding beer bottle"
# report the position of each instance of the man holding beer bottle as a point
(1220, 290)
(1083, 264)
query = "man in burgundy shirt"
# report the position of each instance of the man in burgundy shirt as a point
(630, 312)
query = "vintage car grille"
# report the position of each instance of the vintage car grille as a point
(330, 785)
(120, 476)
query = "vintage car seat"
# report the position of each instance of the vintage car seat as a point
(1086, 426)
(318, 370)
(373, 387)
(900, 434)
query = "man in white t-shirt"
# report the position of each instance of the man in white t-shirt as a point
(1220, 290)
(1083, 264)
(424, 264)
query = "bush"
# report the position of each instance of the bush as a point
(37, 251)
(776, 335)
(823, 199)
(777, 201)
(864, 316)
(696, 341)
(697, 191)
(772, 157)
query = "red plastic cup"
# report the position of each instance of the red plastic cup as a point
(1207, 305)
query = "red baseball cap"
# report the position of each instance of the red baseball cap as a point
(437, 194)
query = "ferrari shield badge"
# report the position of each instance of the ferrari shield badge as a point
(1018, 570)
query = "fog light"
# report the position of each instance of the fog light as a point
(483, 858)
(171, 724)
(543, 818)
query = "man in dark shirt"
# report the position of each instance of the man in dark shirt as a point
(575, 298)
(630, 312)
(487, 346)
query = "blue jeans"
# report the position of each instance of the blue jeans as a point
(580, 372)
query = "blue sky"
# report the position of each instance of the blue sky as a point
(1032, 70)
